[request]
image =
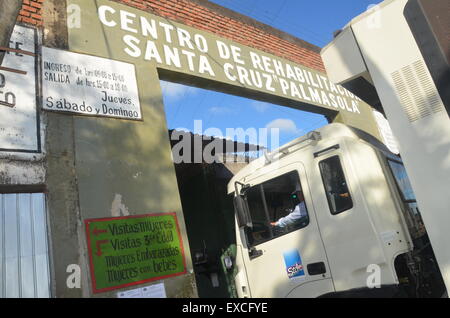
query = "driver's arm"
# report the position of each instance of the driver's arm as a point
(288, 219)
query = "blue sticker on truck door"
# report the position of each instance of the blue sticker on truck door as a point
(294, 266)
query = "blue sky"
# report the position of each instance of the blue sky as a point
(311, 20)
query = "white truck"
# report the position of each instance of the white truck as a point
(361, 235)
(396, 57)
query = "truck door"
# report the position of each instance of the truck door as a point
(285, 258)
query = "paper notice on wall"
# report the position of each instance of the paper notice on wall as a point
(386, 132)
(153, 291)
(134, 293)
(89, 85)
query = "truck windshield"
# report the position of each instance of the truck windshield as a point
(413, 217)
(276, 207)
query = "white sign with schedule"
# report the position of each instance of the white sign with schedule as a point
(88, 85)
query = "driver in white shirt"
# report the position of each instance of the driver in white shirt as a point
(296, 214)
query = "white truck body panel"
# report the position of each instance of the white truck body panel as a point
(373, 231)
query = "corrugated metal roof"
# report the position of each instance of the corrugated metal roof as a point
(228, 146)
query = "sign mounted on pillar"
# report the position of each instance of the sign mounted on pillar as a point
(19, 118)
(386, 133)
(87, 85)
(131, 250)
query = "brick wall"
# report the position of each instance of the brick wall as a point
(31, 12)
(204, 15)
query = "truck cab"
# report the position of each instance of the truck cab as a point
(354, 227)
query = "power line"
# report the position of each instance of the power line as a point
(261, 15)
(279, 10)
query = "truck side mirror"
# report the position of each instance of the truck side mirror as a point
(241, 208)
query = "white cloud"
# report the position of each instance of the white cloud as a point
(260, 106)
(176, 91)
(285, 126)
(182, 129)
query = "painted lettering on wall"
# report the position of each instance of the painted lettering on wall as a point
(175, 47)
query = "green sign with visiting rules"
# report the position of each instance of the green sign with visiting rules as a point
(131, 250)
